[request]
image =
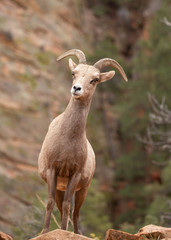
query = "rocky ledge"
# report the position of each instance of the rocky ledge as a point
(4, 236)
(60, 235)
(147, 232)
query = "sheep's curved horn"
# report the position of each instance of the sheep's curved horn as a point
(74, 52)
(108, 62)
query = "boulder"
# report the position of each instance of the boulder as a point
(113, 234)
(157, 232)
(4, 236)
(147, 232)
(60, 235)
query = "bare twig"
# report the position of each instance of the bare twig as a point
(44, 205)
(158, 135)
(54, 219)
(166, 22)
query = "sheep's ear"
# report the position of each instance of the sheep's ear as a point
(72, 64)
(106, 76)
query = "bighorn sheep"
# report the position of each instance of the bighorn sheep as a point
(67, 161)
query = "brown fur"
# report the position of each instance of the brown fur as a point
(67, 161)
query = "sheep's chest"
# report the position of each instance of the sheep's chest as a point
(69, 158)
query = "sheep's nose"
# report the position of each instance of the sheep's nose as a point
(77, 90)
(77, 87)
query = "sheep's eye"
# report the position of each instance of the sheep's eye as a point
(94, 80)
(73, 74)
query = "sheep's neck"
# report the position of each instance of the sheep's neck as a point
(75, 118)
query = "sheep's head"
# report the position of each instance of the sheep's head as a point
(86, 77)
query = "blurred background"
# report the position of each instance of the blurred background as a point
(128, 124)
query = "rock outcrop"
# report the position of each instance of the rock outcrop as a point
(4, 236)
(157, 232)
(60, 235)
(147, 232)
(113, 234)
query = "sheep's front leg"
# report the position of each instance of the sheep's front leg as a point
(51, 181)
(72, 184)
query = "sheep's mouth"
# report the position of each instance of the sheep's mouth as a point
(76, 95)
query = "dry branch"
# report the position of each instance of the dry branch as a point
(44, 205)
(166, 22)
(158, 134)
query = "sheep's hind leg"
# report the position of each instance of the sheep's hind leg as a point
(72, 184)
(52, 182)
(79, 199)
